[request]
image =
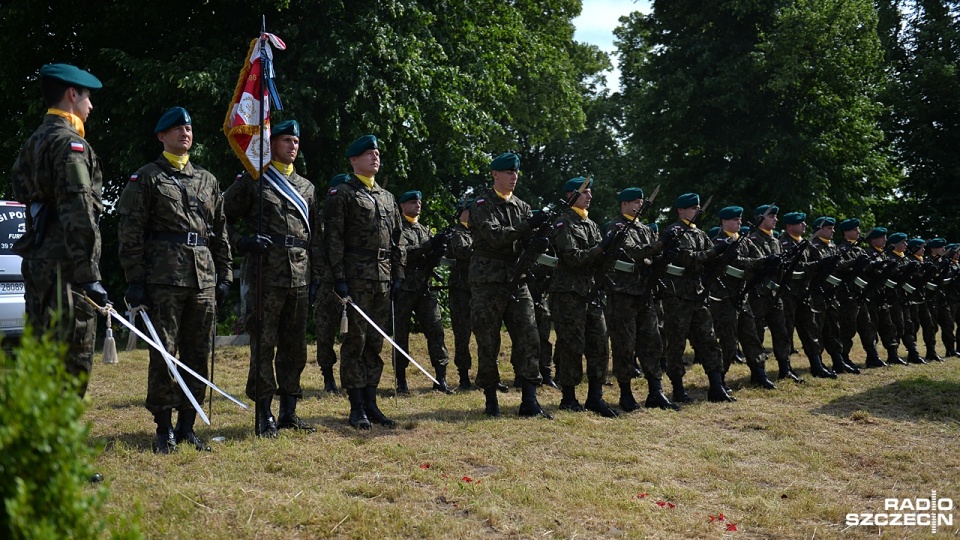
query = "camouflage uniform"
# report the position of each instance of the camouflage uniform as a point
(416, 298)
(460, 249)
(173, 237)
(57, 175)
(498, 226)
(362, 235)
(285, 274)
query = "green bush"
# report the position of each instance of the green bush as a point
(45, 461)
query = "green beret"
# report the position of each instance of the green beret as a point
(713, 232)
(337, 180)
(177, 116)
(70, 75)
(506, 162)
(848, 224)
(824, 221)
(574, 184)
(877, 232)
(794, 218)
(687, 200)
(761, 210)
(410, 195)
(937, 243)
(915, 243)
(287, 127)
(653, 226)
(630, 194)
(361, 145)
(896, 238)
(731, 212)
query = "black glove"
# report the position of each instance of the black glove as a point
(721, 246)
(95, 292)
(395, 288)
(223, 289)
(607, 240)
(136, 294)
(340, 287)
(257, 243)
(539, 244)
(538, 219)
(312, 292)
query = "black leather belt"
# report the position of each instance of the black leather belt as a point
(378, 254)
(288, 241)
(190, 238)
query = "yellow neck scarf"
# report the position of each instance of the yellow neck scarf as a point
(465, 224)
(412, 220)
(582, 212)
(286, 169)
(504, 196)
(367, 180)
(690, 223)
(75, 120)
(177, 162)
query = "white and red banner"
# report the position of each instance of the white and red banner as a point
(254, 90)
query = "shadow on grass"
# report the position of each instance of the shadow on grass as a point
(915, 398)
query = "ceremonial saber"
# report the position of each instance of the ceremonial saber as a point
(379, 330)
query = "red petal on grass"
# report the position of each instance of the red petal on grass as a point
(732, 527)
(661, 504)
(424, 465)
(467, 479)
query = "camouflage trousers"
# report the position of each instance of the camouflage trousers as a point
(360, 361)
(45, 293)
(493, 307)
(326, 314)
(689, 319)
(425, 308)
(768, 312)
(541, 311)
(462, 330)
(634, 332)
(581, 332)
(734, 327)
(855, 319)
(277, 363)
(184, 319)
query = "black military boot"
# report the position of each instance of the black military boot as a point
(817, 369)
(184, 430)
(568, 399)
(166, 440)
(914, 357)
(402, 388)
(266, 423)
(492, 408)
(932, 355)
(627, 402)
(358, 416)
(893, 357)
(288, 418)
(548, 378)
(786, 372)
(680, 394)
(595, 401)
(874, 361)
(529, 406)
(441, 384)
(465, 383)
(329, 382)
(758, 376)
(373, 412)
(656, 397)
(716, 393)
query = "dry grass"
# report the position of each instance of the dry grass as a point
(789, 463)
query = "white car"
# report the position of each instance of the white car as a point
(12, 227)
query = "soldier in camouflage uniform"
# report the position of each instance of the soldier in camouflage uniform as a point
(854, 315)
(57, 176)
(633, 323)
(176, 258)
(579, 321)
(684, 312)
(501, 222)
(327, 309)
(415, 297)
(362, 238)
(733, 321)
(460, 249)
(268, 221)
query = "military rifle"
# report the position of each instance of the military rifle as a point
(663, 260)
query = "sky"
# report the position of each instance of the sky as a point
(596, 23)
